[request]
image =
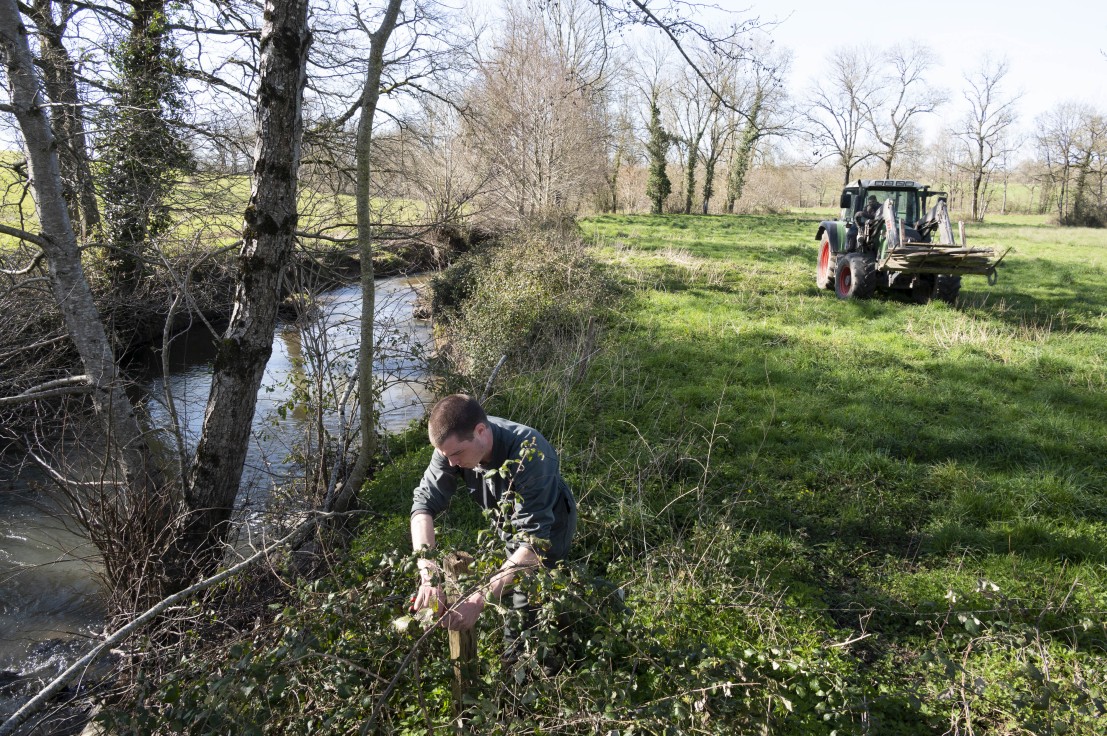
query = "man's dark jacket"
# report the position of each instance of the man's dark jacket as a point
(540, 505)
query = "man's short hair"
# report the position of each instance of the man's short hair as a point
(457, 414)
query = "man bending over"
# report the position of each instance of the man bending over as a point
(533, 510)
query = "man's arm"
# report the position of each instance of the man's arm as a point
(464, 615)
(430, 593)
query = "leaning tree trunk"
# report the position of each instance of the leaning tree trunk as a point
(270, 224)
(70, 287)
(367, 394)
(60, 79)
(132, 520)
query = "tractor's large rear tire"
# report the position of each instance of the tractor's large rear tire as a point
(855, 277)
(947, 288)
(824, 271)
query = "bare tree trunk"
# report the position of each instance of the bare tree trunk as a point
(71, 288)
(60, 81)
(270, 223)
(367, 393)
(690, 172)
(613, 181)
(708, 183)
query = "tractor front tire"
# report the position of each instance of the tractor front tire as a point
(855, 277)
(947, 288)
(824, 271)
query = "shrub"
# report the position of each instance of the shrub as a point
(527, 296)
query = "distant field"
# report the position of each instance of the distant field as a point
(16, 206)
(209, 210)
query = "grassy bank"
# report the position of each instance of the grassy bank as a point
(826, 516)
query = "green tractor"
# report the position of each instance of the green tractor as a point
(886, 238)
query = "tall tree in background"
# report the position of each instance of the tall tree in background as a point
(984, 131)
(767, 113)
(742, 151)
(1056, 135)
(694, 106)
(909, 96)
(840, 106)
(536, 120)
(621, 143)
(658, 186)
(143, 150)
(651, 83)
(1088, 204)
(715, 142)
(367, 393)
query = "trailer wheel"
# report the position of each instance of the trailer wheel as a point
(824, 271)
(855, 277)
(947, 288)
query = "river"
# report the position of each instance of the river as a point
(48, 572)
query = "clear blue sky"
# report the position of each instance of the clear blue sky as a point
(1056, 49)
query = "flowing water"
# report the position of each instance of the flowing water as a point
(49, 592)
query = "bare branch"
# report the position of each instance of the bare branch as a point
(32, 706)
(50, 389)
(23, 235)
(23, 349)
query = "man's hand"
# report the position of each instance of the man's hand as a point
(463, 616)
(429, 596)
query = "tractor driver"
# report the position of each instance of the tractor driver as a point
(866, 216)
(870, 211)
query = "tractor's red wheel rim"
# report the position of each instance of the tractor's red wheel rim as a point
(824, 259)
(845, 278)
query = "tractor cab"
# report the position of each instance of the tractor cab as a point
(909, 200)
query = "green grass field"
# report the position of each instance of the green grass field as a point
(877, 468)
(882, 517)
(827, 517)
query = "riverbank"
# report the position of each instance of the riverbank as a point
(824, 515)
(51, 603)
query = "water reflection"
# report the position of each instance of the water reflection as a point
(324, 353)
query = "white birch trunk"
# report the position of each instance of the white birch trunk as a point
(71, 288)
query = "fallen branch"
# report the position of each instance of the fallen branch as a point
(34, 704)
(58, 387)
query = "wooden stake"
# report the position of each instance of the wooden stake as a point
(463, 644)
